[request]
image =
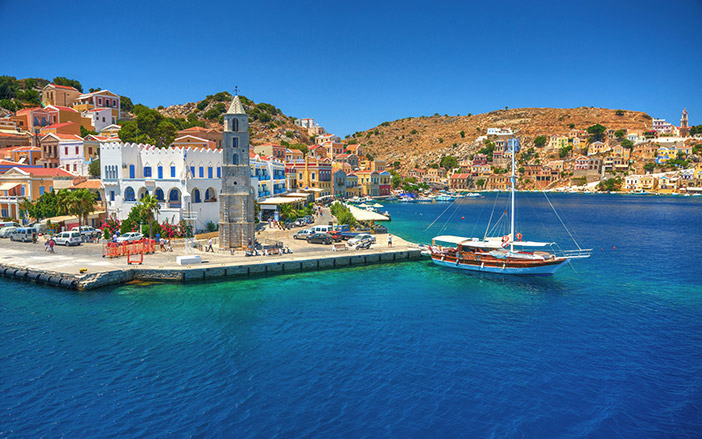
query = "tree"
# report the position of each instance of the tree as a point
(126, 104)
(8, 87)
(150, 208)
(396, 181)
(596, 132)
(82, 204)
(449, 162)
(94, 168)
(649, 167)
(619, 112)
(626, 143)
(619, 134)
(480, 182)
(370, 156)
(571, 126)
(540, 141)
(84, 132)
(396, 164)
(610, 185)
(165, 133)
(463, 134)
(62, 80)
(300, 147)
(694, 130)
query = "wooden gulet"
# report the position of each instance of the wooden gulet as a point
(505, 255)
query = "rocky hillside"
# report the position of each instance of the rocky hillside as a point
(424, 140)
(267, 123)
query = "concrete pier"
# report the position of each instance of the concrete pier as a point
(64, 270)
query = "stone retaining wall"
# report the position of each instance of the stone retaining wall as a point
(91, 281)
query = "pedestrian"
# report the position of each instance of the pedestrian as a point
(389, 240)
(46, 246)
(209, 246)
(34, 237)
(51, 245)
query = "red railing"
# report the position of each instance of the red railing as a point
(117, 249)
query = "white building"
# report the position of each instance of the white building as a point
(187, 181)
(499, 132)
(267, 176)
(662, 127)
(100, 118)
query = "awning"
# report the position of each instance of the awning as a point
(281, 200)
(490, 243)
(8, 186)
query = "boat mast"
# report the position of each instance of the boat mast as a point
(513, 178)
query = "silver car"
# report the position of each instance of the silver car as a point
(361, 237)
(130, 237)
(5, 232)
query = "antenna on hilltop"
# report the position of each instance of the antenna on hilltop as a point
(236, 90)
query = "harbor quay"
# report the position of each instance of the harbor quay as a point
(84, 268)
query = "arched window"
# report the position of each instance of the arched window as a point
(174, 196)
(158, 193)
(196, 196)
(97, 195)
(129, 194)
(235, 159)
(210, 195)
(235, 124)
(235, 142)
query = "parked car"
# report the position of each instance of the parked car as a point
(87, 232)
(4, 224)
(320, 238)
(23, 234)
(303, 234)
(68, 238)
(130, 237)
(360, 237)
(5, 232)
(336, 235)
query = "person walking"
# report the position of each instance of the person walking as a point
(209, 246)
(34, 237)
(52, 243)
(389, 240)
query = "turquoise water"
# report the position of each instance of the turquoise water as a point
(612, 349)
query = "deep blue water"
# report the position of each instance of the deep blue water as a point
(610, 349)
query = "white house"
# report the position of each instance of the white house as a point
(187, 181)
(100, 118)
(267, 175)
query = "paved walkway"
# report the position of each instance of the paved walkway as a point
(70, 260)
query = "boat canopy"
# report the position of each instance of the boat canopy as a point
(495, 243)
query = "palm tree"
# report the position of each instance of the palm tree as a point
(83, 202)
(63, 201)
(151, 209)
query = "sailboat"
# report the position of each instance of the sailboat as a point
(507, 254)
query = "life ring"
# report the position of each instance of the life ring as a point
(519, 236)
(505, 238)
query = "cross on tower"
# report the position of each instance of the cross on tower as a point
(236, 90)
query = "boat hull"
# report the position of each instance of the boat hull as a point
(542, 269)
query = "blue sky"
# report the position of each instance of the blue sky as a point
(353, 65)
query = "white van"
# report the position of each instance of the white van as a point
(322, 229)
(23, 234)
(68, 238)
(4, 224)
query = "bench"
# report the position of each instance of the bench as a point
(339, 247)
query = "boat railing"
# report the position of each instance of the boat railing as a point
(575, 254)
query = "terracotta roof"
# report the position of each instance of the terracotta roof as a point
(65, 87)
(460, 176)
(60, 107)
(63, 136)
(29, 110)
(45, 172)
(88, 184)
(59, 125)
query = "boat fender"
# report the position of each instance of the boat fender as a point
(503, 266)
(482, 265)
(519, 236)
(505, 244)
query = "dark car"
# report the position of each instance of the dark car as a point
(320, 238)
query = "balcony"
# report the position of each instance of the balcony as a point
(174, 204)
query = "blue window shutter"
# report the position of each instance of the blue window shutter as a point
(172, 171)
(160, 172)
(219, 172)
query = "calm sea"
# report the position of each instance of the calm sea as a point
(609, 348)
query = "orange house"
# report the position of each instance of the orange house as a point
(27, 182)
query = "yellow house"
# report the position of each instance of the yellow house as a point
(294, 155)
(597, 148)
(668, 184)
(664, 154)
(111, 130)
(64, 95)
(353, 188)
(620, 151)
(579, 143)
(648, 183)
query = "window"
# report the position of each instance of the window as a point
(219, 172)
(90, 150)
(65, 150)
(147, 171)
(41, 190)
(201, 172)
(158, 193)
(209, 172)
(131, 172)
(235, 159)
(196, 196)
(235, 142)
(235, 125)
(313, 176)
(22, 190)
(129, 194)
(192, 171)
(172, 171)
(76, 150)
(160, 172)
